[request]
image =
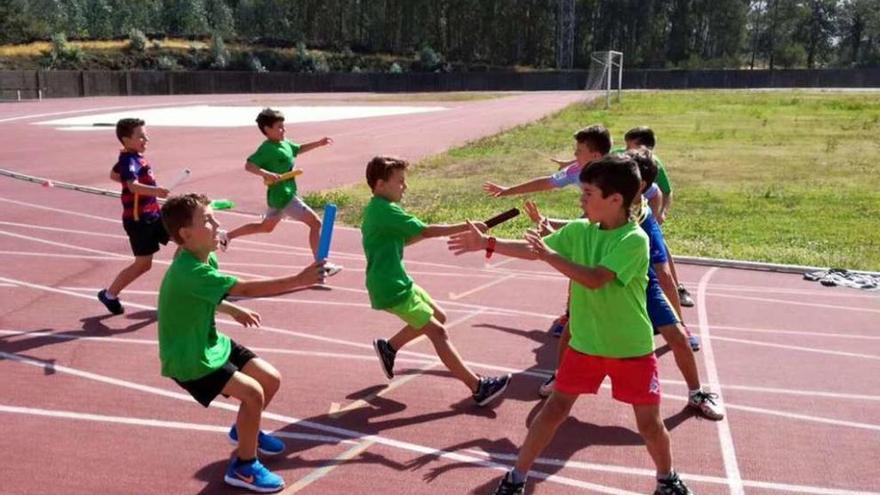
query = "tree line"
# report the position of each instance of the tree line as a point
(651, 33)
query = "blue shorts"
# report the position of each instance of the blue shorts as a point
(659, 308)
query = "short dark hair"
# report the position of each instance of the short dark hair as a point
(381, 167)
(614, 174)
(267, 118)
(644, 158)
(642, 136)
(596, 137)
(125, 127)
(178, 212)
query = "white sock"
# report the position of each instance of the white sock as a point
(110, 295)
(692, 393)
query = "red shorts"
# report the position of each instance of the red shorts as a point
(633, 380)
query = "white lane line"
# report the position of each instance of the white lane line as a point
(478, 288)
(797, 348)
(728, 452)
(795, 303)
(797, 332)
(333, 430)
(535, 373)
(156, 423)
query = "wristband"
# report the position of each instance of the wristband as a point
(490, 247)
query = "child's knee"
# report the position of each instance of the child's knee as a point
(557, 407)
(651, 428)
(435, 332)
(143, 263)
(675, 336)
(253, 396)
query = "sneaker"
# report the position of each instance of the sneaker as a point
(490, 388)
(331, 269)
(253, 476)
(112, 305)
(672, 485)
(266, 444)
(386, 356)
(705, 403)
(694, 342)
(508, 487)
(685, 297)
(558, 326)
(223, 237)
(546, 388)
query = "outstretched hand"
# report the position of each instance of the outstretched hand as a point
(313, 274)
(537, 244)
(470, 240)
(541, 222)
(324, 141)
(493, 189)
(562, 163)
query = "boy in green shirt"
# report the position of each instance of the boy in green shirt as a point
(273, 158)
(386, 229)
(606, 258)
(205, 362)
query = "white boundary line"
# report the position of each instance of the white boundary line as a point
(796, 332)
(342, 432)
(532, 372)
(429, 357)
(728, 453)
(797, 348)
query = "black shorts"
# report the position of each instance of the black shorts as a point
(145, 235)
(208, 387)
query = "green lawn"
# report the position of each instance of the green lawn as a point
(762, 176)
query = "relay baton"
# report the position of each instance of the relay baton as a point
(285, 176)
(501, 217)
(182, 176)
(326, 231)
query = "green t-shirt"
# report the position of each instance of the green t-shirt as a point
(277, 157)
(189, 345)
(611, 321)
(385, 229)
(662, 179)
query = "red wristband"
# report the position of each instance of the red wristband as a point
(490, 247)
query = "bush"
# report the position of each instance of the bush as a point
(137, 41)
(255, 65)
(63, 55)
(166, 62)
(395, 68)
(429, 60)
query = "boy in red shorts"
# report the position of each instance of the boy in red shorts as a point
(606, 258)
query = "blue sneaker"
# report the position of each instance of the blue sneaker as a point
(558, 326)
(253, 476)
(266, 444)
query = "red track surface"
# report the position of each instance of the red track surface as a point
(84, 409)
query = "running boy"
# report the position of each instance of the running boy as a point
(644, 136)
(591, 143)
(386, 229)
(274, 157)
(662, 304)
(141, 218)
(205, 362)
(606, 257)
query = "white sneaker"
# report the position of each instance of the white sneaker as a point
(224, 240)
(705, 403)
(331, 269)
(546, 388)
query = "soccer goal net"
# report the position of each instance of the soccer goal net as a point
(606, 74)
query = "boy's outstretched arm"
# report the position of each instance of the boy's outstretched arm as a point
(535, 185)
(324, 141)
(590, 277)
(474, 240)
(445, 230)
(311, 275)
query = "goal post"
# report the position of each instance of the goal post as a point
(606, 74)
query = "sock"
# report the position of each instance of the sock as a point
(517, 477)
(692, 393)
(665, 477)
(110, 295)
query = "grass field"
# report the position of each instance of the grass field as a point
(786, 177)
